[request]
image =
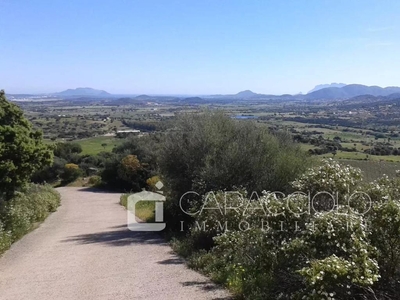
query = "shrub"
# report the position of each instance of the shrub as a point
(50, 173)
(71, 173)
(338, 254)
(5, 239)
(95, 180)
(27, 207)
(151, 183)
(211, 151)
(124, 173)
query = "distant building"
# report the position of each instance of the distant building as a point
(125, 133)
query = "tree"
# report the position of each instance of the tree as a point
(211, 152)
(22, 150)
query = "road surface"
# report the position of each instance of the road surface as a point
(84, 251)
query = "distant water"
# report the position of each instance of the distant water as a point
(244, 117)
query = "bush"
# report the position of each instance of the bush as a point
(151, 183)
(95, 180)
(71, 173)
(211, 151)
(27, 207)
(338, 254)
(51, 173)
(125, 173)
(5, 239)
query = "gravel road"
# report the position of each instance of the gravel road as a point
(84, 251)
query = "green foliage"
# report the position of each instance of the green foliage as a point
(302, 254)
(95, 180)
(131, 163)
(151, 183)
(144, 210)
(22, 150)
(17, 216)
(67, 151)
(330, 177)
(51, 173)
(384, 222)
(71, 173)
(211, 151)
(129, 168)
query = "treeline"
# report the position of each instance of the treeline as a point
(146, 126)
(383, 149)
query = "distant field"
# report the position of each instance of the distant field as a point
(374, 169)
(362, 156)
(94, 145)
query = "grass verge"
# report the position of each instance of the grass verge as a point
(25, 211)
(144, 210)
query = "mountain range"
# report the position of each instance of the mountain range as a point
(349, 91)
(323, 86)
(333, 91)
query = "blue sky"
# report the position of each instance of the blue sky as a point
(197, 47)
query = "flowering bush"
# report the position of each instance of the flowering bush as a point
(330, 177)
(349, 252)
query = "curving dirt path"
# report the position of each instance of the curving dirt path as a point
(84, 251)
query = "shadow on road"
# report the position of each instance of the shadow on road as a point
(172, 261)
(206, 286)
(96, 190)
(121, 237)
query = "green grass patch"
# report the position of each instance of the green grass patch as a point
(373, 170)
(98, 144)
(144, 210)
(361, 156)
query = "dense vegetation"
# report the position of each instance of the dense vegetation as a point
(20, 214)
(283, 249)
(277, 246)
(22, 152)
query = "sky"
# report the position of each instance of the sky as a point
(197, 47)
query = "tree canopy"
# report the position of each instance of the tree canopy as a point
(22, 150)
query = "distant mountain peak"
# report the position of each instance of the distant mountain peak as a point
(246, 94)
(328, 85)
(83, 91)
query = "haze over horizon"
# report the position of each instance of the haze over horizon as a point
(207, 47)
